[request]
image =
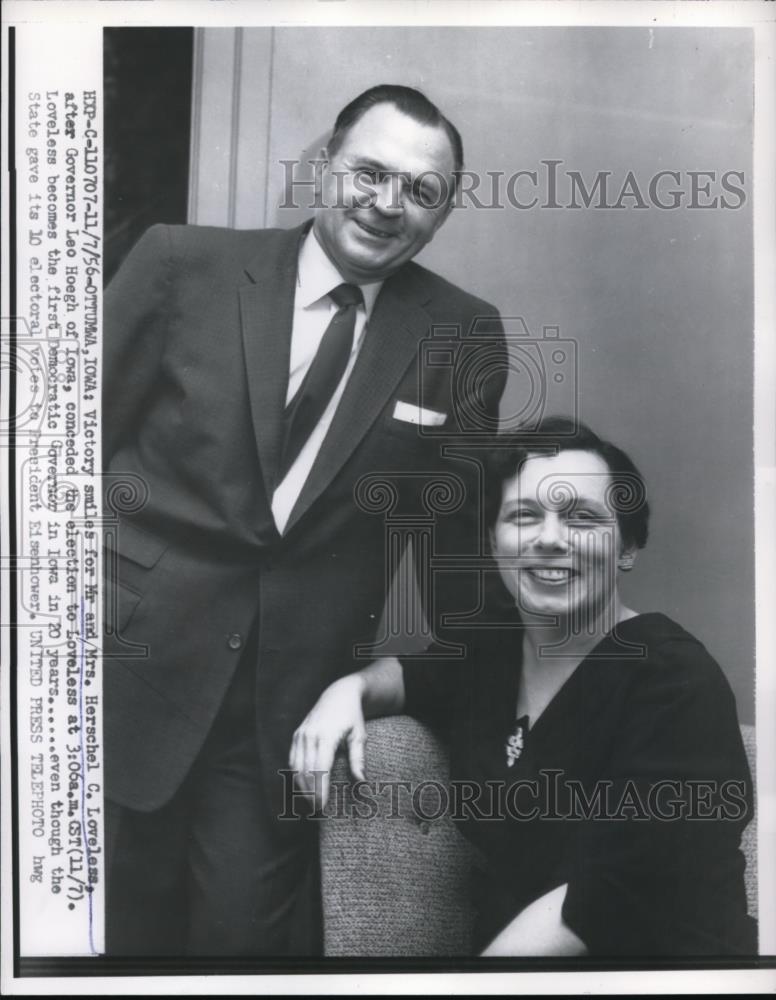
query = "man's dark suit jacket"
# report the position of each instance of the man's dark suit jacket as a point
(196, 357)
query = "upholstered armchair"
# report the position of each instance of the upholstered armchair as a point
(394, 883)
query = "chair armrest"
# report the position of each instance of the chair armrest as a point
(394, 879)
(749, 836)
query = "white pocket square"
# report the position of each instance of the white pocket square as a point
(418, 415)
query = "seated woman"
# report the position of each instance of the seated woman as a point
(606, 780)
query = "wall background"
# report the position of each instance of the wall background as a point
(659, 303)
(147, 85)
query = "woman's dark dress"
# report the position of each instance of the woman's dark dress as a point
(650, 717)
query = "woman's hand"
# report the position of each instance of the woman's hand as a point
(335, 718)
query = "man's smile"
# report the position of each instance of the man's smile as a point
(372, 231)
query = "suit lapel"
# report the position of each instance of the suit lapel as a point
(396, 327)
(266, 314)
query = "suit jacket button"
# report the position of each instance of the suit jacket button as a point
(235, 641)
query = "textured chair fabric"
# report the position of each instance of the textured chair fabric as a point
(397, 881)
(749, 837)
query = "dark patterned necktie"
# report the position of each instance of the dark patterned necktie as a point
(323, 376)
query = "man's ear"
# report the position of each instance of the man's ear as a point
(627, 558)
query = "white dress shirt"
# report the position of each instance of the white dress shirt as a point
(313, 309)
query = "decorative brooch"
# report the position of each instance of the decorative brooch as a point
(514, 745)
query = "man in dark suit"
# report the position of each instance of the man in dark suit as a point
(252, 382)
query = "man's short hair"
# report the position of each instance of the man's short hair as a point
(410, 102)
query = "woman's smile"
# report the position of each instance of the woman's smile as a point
(556, 540)
(552, 576)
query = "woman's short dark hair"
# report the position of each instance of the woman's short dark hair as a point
(410, 102)
(627, 493)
